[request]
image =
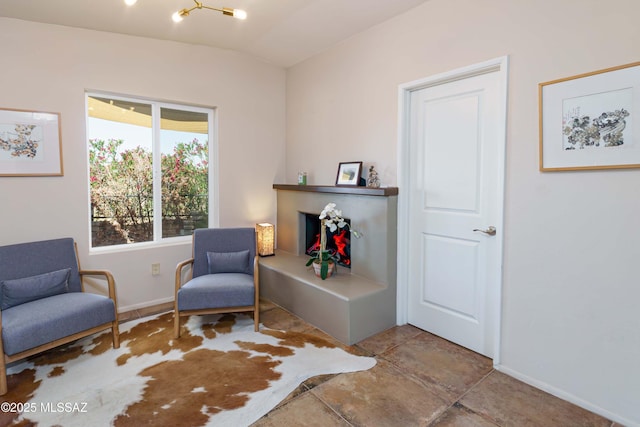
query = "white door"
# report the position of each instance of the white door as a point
(456, 153)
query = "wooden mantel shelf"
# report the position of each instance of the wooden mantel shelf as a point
(362, 191)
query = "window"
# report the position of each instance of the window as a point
(149, 169)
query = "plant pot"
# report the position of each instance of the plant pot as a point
(317, 266)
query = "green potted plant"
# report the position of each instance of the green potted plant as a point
(323, 261)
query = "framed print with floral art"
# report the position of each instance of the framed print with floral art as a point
(30, 143)
(590, 121)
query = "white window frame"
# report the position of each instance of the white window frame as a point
(213, 177)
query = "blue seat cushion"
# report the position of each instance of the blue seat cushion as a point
(217, 291)
(39, 322)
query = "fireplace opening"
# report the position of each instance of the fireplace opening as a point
(338, 242)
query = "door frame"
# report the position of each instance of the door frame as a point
(498, 65)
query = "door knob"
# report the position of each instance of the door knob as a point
(491, 231)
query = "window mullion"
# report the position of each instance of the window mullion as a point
(157, 174)
(213, 170)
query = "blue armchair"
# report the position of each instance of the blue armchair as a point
(224, 271)
(43, 303)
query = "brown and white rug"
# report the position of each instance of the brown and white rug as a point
(220, 372)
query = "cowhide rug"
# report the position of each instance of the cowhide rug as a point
(219, 372)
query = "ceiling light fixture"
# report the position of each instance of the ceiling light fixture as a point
(236, 13)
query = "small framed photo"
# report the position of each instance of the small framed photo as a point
(591, 121)
(30, 143)
(349, 173)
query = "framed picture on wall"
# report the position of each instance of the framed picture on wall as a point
(591, 121)
(30, 143)
(349, 173)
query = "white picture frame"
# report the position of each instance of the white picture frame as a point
(30, 143)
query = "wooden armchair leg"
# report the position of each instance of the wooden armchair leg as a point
(115, 334)
(256, 319)
(176, 324)
(3, 365)
(3, 376)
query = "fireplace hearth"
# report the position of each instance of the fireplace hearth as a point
(360, 300)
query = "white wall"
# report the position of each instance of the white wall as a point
(48, 68)
(571, 288)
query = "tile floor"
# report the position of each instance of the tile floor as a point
(419, 380)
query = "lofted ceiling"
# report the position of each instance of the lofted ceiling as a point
(282, 32)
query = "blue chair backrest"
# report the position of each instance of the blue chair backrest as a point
(34, 258)
(221, 240)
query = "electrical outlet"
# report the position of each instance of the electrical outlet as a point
(155, 269)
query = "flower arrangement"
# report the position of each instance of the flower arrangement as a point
(332, 218)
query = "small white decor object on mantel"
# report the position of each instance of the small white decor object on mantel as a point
(373, 180)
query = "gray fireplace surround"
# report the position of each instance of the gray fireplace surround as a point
(356, 302)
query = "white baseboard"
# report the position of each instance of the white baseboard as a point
(126, 308)
(566, 396)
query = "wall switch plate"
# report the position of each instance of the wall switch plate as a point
(155, 269)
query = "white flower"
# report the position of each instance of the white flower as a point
(329, 211)
(333, 219)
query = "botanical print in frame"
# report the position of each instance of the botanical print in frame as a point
(597, 121)
(30, 143)
(589, 121)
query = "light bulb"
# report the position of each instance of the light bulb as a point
(130, 2)
(239, 14)
(177, 17)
